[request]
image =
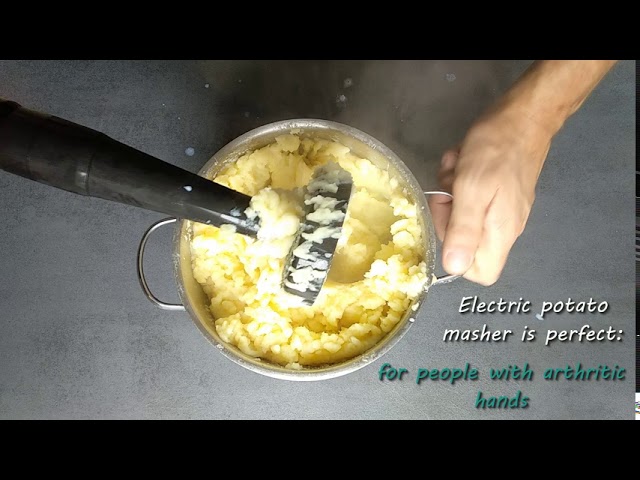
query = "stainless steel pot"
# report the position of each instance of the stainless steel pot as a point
(193, 298)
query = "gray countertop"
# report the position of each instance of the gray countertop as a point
(78, 339)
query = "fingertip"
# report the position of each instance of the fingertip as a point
(457, 260)
(449, 159)
(487, 282)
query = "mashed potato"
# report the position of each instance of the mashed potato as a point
(377, 271)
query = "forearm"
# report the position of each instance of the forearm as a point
(550, 91)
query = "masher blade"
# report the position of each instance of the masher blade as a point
(326, 200)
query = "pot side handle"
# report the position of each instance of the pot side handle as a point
(445, 278)
(141, 277)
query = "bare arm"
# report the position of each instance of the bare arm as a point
(493, 174)
(550, 91)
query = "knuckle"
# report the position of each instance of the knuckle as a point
(464, 182)
(520, 230)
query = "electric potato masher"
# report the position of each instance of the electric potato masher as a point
(65, 155)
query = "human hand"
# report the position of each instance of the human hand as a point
(492, 176)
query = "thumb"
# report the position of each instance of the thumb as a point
(465, 229)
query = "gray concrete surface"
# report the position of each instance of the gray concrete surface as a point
(78, 339)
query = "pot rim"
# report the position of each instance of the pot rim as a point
(234, 149)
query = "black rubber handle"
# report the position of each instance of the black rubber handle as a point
(66, 155)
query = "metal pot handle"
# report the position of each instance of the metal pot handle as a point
(444, 278)
(141, 277)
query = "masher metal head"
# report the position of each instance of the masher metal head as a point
(326, 200)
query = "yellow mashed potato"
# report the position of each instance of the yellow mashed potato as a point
(377, 271)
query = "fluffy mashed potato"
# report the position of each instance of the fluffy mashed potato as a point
(377, 271)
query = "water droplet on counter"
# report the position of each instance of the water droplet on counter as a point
(348, 82)
(189, 151)
(188, 188)
(451, 77)
(206, 85)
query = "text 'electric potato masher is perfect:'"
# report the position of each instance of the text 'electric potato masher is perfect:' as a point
(65, 155)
